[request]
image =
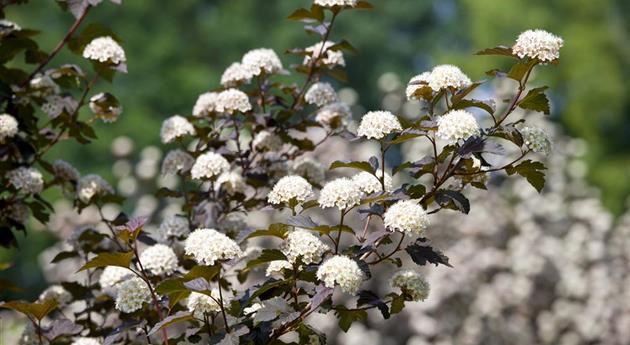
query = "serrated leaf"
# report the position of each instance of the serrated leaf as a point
(445, 197)
(367, 297)
(33, 310)
(536, 100)
(532, 171)
(360, 165)
(487, 105)
(266, 256)
(422, 253)
(119, 259)
(347, 317)
(301, 14)
(498, 50)
(275, 230)
(398, 304)
(519, 70)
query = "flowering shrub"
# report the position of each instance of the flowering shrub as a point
(245, 150)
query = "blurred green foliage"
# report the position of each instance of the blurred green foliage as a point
(178, 49)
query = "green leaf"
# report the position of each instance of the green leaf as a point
(206, 272)
(519, 70)
(120, 259)
(266, 256)
(487, 105)
(536, 100)
(362, 165)
(62, 256)
(398, 304)
(499, 50)
(276, 230)
(363, 5)
(33, 310)
(532, 171)
(347, 317)
(301, 14)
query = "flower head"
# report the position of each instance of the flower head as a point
(416, 83)
(132, 294)
(378, 124)
(331, 3)
(231, 182)
(277, 267)
(322, 53)
(412, 284)
(406, 216)
(91, 185)
(106, 106)
(334, 115)
(233, 100)
(237, 73)
(173, 226)
(538, 44)
(290, 188)
(343, 271)
(444, 77)
(370, 184)
(200, 304)
(536, 139)
(205, 104)
(86, 341)
(301, 244)
(321, 94)
(64, 171)
(175, 127)
(8, 127)
(177, 161)
(457, 125)
(159, 260)
(208, 165)
(342, 193)
(27, 180)
(208, 246)
(105, 49)
(262, 60)
(112, 275)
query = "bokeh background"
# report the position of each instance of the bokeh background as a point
(178, 49)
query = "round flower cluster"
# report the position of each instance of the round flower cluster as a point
(416, 83)
(132, 294)
(231, 101)
(104, 49)
(173, 226)
(205, 104)
(177, 161)
(331, 3)
(208, 246)
(91, 185)
(406, 216)
(536, 139)
(343, 271)
(8, 127)
(309, 168)
(86, 341)
(538, 44)
(412, 284)
(333, 115)
(321, 94)
(276, 267)
(444, 77)
(159, 260)
(175, 127)
(231, 182)
(378, 124)
(57, 293)
(208, 165)
(342, 193)
(301, 244)
(322, 53)
(27, 180)
(112, 275)
(237, 73)
(105, 106)
(262, 60)
(457, 125)
(369, 183)
(64, 171)
(290, 188)
(200, 304)
(266, 140)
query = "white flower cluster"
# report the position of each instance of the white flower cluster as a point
(200, 304)
(92, 185)
(208, 246)
(104, 49)
(450, 77)
(309, 168)
(205, 104)
(7, 26)
(411, 283)
(536, 139)
(159, 260)
(132, 294)
(277, 267)
(406, 216)
(231, 182)
(538, 44)
(267, 141)
(86, 341)
(457, 125)
(378, 124)
(177, 161)
(254, 63)
(370, 184)
(301, 244)
(27, 180)
(112, 275)
(331, 3)
(416, 83)
(175, 127)
(8, 127)
(290, 188)
(342, 193)
(237, 73)
(343, 271)
(322, 53)
(208, 165)
(105, 106)
(173, 226)
(334, 115)
(321, 94)
(231, 101)
(57, 293)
